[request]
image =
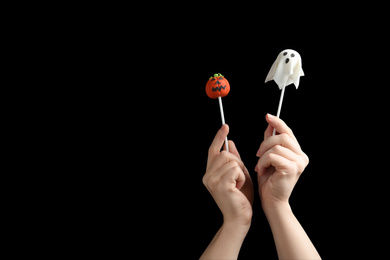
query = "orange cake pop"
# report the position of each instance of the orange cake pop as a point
(218, 87)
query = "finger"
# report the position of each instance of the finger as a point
(217, 143)
(283, 140)
(233, 174)
(268, 131)
(281, 164)
(233, 149)
(223, 158)
(284, 152)
(279, 125)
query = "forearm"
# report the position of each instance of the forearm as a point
(226, 243)
(290, 238)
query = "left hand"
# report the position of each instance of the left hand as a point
(228, 181)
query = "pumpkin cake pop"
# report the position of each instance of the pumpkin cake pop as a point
(218, 87)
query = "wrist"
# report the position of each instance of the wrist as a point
(275, 206)
(227, 242)
(236, 227)
(241, 221)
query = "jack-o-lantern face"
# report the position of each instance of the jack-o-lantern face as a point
(217, 86)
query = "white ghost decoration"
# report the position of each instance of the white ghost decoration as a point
(286, 69)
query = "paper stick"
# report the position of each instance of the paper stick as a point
(223, 121)
(280, 106)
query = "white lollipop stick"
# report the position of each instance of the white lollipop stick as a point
(280, 106)
(223, 120)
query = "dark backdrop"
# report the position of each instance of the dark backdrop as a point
(155, 124)
(186, 121)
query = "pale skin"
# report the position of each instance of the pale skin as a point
(281, 162)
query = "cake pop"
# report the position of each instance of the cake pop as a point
(218, 87)
(287, 69)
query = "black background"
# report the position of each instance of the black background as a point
(112, 125)
(322, 114)
(153, 124)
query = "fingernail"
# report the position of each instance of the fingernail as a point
(258, 153)
(270, 116)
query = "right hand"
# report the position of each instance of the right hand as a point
(228, 181)
(281, 163)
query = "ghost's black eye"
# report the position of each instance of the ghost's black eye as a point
(292, 55)
(287, 60)
(285, 53)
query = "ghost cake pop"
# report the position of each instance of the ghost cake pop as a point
(218, 87)
(287, 69)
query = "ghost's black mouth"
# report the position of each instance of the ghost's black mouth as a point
(292, 55)
(218, 88)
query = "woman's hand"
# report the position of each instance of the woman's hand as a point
(281, 163)
(229, 182)
(279, 167)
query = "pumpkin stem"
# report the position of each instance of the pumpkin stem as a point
(215, 75)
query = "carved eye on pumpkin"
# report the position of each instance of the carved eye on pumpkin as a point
(217, 86)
